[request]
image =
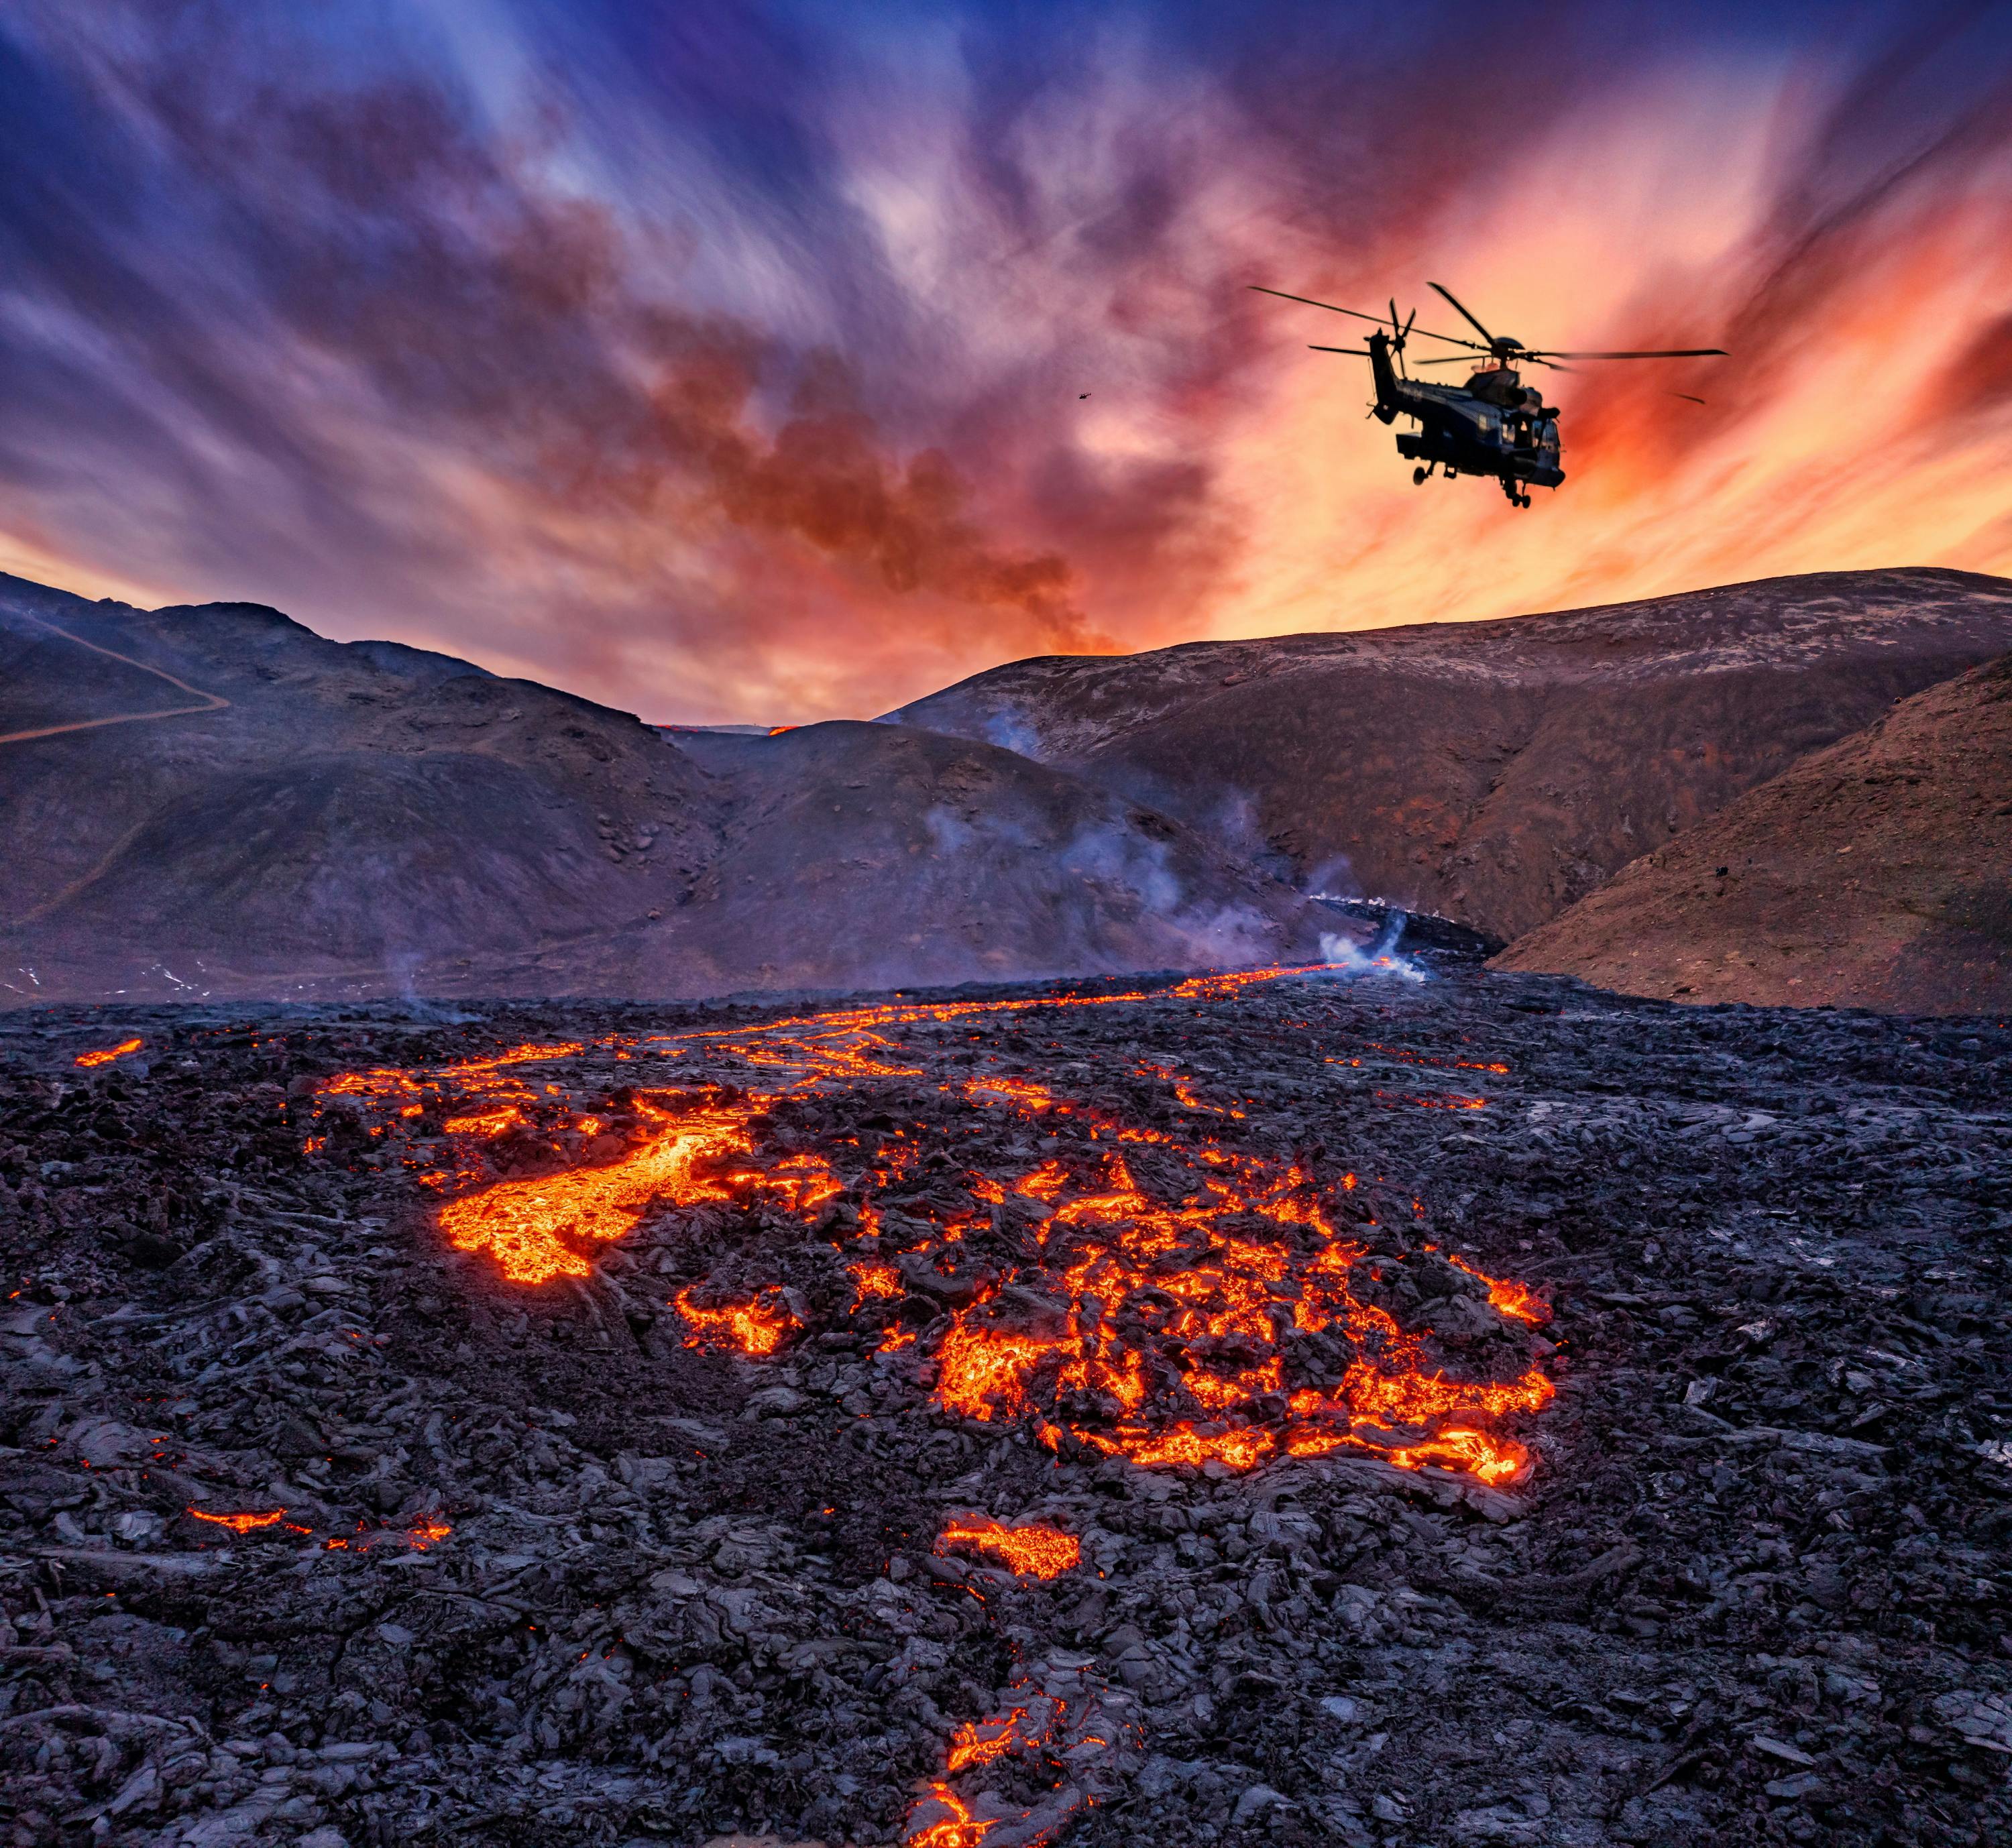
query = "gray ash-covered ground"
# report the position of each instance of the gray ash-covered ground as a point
(548, 1574)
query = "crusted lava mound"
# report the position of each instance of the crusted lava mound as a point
(1492, 772)
(217, 801)
(1244, 1409)
(1876, 874)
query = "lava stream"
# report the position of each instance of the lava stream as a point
(1225, 1315)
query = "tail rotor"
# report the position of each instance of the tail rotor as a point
(1400, 332)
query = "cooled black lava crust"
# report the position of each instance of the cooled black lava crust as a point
(1755, 1589)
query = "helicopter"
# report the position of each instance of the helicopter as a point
(1493, 425)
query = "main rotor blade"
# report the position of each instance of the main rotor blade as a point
(1455, 300)
(1312, 303)
(1686, 396)
(1659, 353)
(1360, 352)
(1460, 359)
(1453, 340)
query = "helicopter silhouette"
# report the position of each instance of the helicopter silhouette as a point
(1493, 425)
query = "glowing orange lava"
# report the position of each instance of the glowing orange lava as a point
(748, 1326)
(533, 1229)
(1032, 1551)
(980, 1741)
(1136, 1292)
(485, 1122)
(1069, 1746)
(1516, 1300)
(876, 1280)
(109, 1053)
(957, 1828)
(240, 1523)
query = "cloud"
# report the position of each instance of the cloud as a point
(727, 368)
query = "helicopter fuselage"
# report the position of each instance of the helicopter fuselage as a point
(1493, 425)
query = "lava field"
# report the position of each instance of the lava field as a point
(1266, 1408)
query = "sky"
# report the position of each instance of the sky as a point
(733, 362)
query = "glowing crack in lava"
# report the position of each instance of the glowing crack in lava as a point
(1031, 1551)
(106, 1055)
(752, 1327)
(1080, 1745)
(1155, 1293)
(240, 1523)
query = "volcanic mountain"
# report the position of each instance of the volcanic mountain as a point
(1877, 873)
(216, 800)
(1494, 773)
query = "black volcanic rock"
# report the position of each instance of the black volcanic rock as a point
(1492, 772)
(239, 807)
(536, 1563)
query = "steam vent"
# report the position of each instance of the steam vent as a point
(1304, 1404)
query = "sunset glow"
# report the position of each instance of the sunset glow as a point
(691, 372)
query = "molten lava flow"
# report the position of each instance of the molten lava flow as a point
(1027, 1730)
(517, 1055)
(1137, 1292)
(1516, 1300)
(485, 1122)
(1032, 1552)
(532, 1228)
(240, 1523)
(109, 1053)
(375, 1085)
(875, 1279)
(957, 1828)
(1080, 1749)
(979, 1372)
(979, 1741)
(749, 1326)
(1189, 1444)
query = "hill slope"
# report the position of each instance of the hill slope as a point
(1493, 771)
(1877, 873)
(216, 800)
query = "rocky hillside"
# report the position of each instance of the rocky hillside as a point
(215, 801)
(1495, 772)
(1877, 873)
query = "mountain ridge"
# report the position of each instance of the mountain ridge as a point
(1874, 873)
(353, 819)
(1491, 773)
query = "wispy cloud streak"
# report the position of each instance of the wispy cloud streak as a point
(730, 362)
